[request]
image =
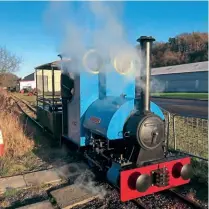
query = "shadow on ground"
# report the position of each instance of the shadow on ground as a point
(47, 150)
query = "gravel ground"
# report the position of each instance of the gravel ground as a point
(110, 201)
(161, 200)
(164, 201)
(196, 192)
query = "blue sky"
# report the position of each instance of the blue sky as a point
(25, 31)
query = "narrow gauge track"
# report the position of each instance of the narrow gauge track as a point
(144, 202)
(168, 199)
(25, 103)
(186, 199)
(29, 111)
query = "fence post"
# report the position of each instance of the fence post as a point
(174, 133)
(168, 130)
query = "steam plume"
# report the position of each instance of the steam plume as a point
(96, 24)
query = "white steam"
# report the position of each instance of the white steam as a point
(86, 181)
(81, 177)
(91, 25)
(84, 25)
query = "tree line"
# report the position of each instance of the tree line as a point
(182, 49)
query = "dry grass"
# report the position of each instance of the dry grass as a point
(27, 148)
(16, 143)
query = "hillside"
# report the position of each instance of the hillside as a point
(184, 48)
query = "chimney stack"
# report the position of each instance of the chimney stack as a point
(140, 92)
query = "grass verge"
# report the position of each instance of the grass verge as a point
(183, 95)
(16, 143)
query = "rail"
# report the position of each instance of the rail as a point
(24, 102)
(167, 199)
(24, 109)
(187, 135)
(185, 199)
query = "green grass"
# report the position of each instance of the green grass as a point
(183, 95)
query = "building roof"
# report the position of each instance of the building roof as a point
(185, 68)
(29, 77)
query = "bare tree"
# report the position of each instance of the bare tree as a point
(9, 62)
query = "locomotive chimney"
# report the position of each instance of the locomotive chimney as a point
(144, 92)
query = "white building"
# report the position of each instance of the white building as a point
(28, 81)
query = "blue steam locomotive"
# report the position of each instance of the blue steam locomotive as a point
(117, 127)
